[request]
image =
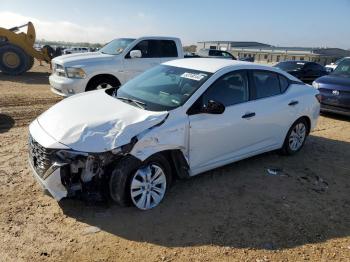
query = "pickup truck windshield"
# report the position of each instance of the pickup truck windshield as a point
(162, 88)
(116, 46)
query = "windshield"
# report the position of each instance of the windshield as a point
(162, 88)
(339, 60)
(116, 46)
(343, 68)
(290, 66)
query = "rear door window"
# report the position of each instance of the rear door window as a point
(266, 83)
(167, 48)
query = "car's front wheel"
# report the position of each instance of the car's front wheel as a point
(296, 137)
(148, 186)
(143, 185)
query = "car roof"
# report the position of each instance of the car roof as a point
(213, 65)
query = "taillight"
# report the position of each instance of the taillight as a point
(318, 97)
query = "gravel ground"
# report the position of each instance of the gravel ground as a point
(234, 213)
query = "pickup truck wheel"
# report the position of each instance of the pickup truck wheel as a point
(144, 185)
(102, 83)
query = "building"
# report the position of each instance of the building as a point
(264, 53)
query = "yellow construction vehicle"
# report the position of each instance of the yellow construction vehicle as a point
(17, 50)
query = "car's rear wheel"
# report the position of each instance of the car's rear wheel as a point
(144, 185)
(296, 137)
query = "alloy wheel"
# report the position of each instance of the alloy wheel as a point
(297, 136)
(148, 186)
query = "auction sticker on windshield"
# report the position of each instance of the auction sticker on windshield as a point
(197, 77)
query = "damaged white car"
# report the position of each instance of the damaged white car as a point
(178, 119)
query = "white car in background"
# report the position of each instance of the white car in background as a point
(113, 65)
(178, 119)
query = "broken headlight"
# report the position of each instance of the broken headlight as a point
(69, 154)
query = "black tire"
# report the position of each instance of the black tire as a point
(31, 63)
(287, 149)
(122, 174)
(16, 66)
(102, 81)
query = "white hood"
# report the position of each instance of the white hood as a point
(81, 58)
(96, 122)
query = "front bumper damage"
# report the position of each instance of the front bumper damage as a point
(67, 173)
(51, 180)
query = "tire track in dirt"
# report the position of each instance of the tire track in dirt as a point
(24, 109)
(26, 101)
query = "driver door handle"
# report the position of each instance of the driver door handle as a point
(249, 115)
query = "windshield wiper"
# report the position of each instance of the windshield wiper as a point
(138, 103)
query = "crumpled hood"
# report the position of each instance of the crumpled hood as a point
(96, 122)
(81, 58)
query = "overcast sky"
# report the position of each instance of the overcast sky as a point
(312, 23)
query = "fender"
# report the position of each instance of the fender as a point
(169, 135)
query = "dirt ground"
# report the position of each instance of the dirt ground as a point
(234, 213)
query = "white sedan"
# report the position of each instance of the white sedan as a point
(178, 119)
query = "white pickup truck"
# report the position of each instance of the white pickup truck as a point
(113, 65)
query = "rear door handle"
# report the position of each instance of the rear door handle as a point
(293, 103)
(248, 115)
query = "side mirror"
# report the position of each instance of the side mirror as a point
(135, 54)
(213, 107)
